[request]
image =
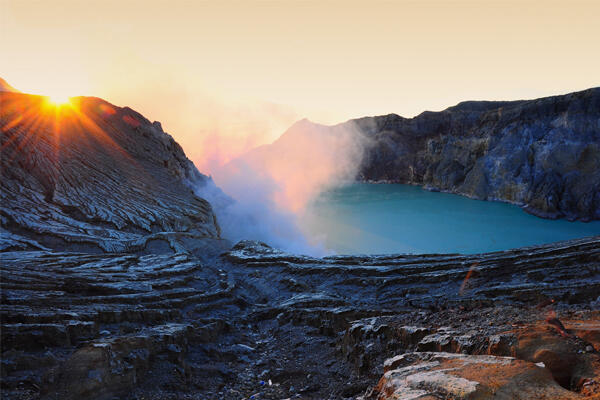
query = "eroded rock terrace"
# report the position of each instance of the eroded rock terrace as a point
(100, 326)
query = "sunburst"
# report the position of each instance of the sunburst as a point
(59, 100)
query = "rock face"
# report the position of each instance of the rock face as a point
(89, 176)
(90, 326)
(543, 154)
(499, 358)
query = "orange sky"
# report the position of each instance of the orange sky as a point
(226, 76)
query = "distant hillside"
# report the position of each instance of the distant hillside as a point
(542, 154)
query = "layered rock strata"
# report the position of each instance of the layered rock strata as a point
(90, 176)
(100, 326)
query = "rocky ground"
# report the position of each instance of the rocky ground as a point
(259, 322)
(116, 284)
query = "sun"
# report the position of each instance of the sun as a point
(59, 99)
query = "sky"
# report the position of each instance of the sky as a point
(224, 77)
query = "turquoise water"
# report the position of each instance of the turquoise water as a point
(382, 218)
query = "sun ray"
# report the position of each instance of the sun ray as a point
(27, 120)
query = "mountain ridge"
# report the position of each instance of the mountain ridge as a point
(541, 154)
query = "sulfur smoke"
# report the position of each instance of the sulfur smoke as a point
(270, 187)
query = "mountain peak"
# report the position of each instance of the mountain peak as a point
(5, 87)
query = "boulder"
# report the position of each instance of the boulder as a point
(458, 376)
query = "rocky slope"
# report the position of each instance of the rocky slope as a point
(263, 323)
(90, 176)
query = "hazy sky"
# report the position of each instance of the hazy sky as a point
(225, 76)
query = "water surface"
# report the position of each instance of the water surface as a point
(388, 218)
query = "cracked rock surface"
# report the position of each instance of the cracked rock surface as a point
(93, 177)
(162, 326)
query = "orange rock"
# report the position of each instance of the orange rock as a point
(459, 376)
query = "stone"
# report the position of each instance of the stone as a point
(563, 356)
(456, 376)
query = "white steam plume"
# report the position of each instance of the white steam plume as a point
(273, 184)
